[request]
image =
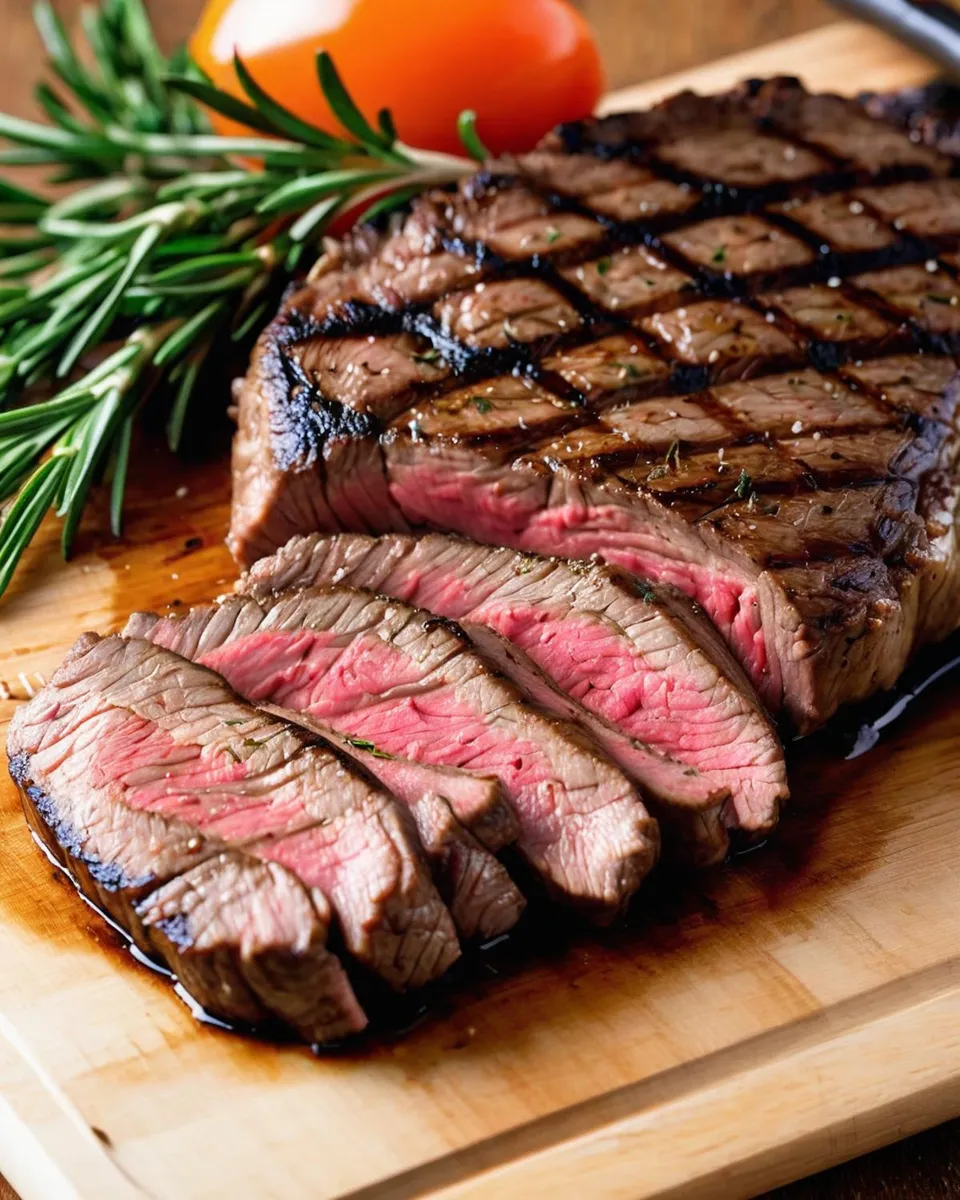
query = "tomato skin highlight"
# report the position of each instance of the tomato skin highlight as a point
(523, 65)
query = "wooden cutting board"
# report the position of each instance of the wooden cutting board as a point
(749, 1026)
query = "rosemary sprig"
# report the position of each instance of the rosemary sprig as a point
(168, 251)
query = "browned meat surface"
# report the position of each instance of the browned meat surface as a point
(659, 338)
(744, 245)
(223, 841)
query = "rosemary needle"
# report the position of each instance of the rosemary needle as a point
(164, 253)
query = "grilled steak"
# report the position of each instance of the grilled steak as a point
(625, 653)
(931, 112)
(694, 820)
(713, 343)
(407, 682)
(220, 838)
(483, 899)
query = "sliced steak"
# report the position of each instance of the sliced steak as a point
(631, 655)
(478, 799)
(246, 939)
(482, 898)
(408, 682)
(156, 787)
(696, 821)
(655, 339)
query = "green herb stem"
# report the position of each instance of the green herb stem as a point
(171, 247)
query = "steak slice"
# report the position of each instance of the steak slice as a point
(138, 768)
(695, 823)
(478, 799)
(659, 339)
(697, 816)
(245, 939)
(625, 652)
(407, 682)
(483, 900)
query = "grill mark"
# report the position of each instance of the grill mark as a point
(716, 199)
(817, 480)
(924, 341)
(470, 365)
(902, 251)
(823, 356)
(575, 137)
(683, 381)
(919, 423)
(844, 176)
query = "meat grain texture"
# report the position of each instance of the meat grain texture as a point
(406, 682)
(649, 677)
(224, 842)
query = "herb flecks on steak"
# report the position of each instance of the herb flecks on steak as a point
(732, 274)
(627, 659)
(410, 683)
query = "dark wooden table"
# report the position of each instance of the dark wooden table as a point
(640, 39)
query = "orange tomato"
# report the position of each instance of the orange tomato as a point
(523, 65)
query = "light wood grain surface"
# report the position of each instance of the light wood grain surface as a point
(724, 996)
(744, 1028)
(644, 39)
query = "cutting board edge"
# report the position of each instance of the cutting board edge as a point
(816, 57)
(842, 1071)
(44, 1142)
